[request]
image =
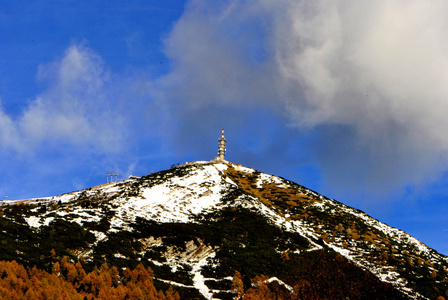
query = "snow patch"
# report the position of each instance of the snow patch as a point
(176, 199)
(36, 222)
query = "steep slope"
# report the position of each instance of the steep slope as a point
(196, 224)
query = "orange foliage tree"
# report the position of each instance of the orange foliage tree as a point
(68, 281)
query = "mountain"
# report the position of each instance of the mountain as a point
(217, 229)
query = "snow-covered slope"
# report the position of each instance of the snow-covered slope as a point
(194, 192)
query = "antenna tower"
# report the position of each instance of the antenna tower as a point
(222, 146)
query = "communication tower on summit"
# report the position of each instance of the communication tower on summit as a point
(222, 146)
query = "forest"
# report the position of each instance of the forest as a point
(65, 280)
(69, 281)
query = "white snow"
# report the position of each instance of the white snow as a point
(100, 236)
(33, 221)
(36, 222)
(281, 282)
(265, 178)
(179, 198)
(220, 167)
(176, 199)
(199, 280)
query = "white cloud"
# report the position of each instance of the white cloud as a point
(74, 110)
(86, 122)
(369, 77)
(379, 67)
(383, 59)
(8, 132)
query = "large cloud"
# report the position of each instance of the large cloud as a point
(368, 78)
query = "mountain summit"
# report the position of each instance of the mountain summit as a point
(218, 230)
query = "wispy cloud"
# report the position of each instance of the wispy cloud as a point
(73, 110)
(86, 122)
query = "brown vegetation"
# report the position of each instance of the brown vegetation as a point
(68, 281)
(269, 193)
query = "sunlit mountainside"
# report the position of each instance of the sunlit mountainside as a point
(217, 230)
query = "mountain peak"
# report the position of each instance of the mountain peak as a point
(196, 223)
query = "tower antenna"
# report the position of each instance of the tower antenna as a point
(222, 146)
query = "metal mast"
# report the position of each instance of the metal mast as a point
(222, 146)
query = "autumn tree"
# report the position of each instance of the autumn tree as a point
(237, 284)
(69, 281)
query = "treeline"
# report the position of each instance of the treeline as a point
(262, 288)
(70, 281)
(315, 275)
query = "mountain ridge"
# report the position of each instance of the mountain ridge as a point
(164, 219)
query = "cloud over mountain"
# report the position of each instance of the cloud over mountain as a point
(366, 78)
(357, 90)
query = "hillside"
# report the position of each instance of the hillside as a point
(199, 225)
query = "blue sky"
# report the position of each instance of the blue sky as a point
(346, 98)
